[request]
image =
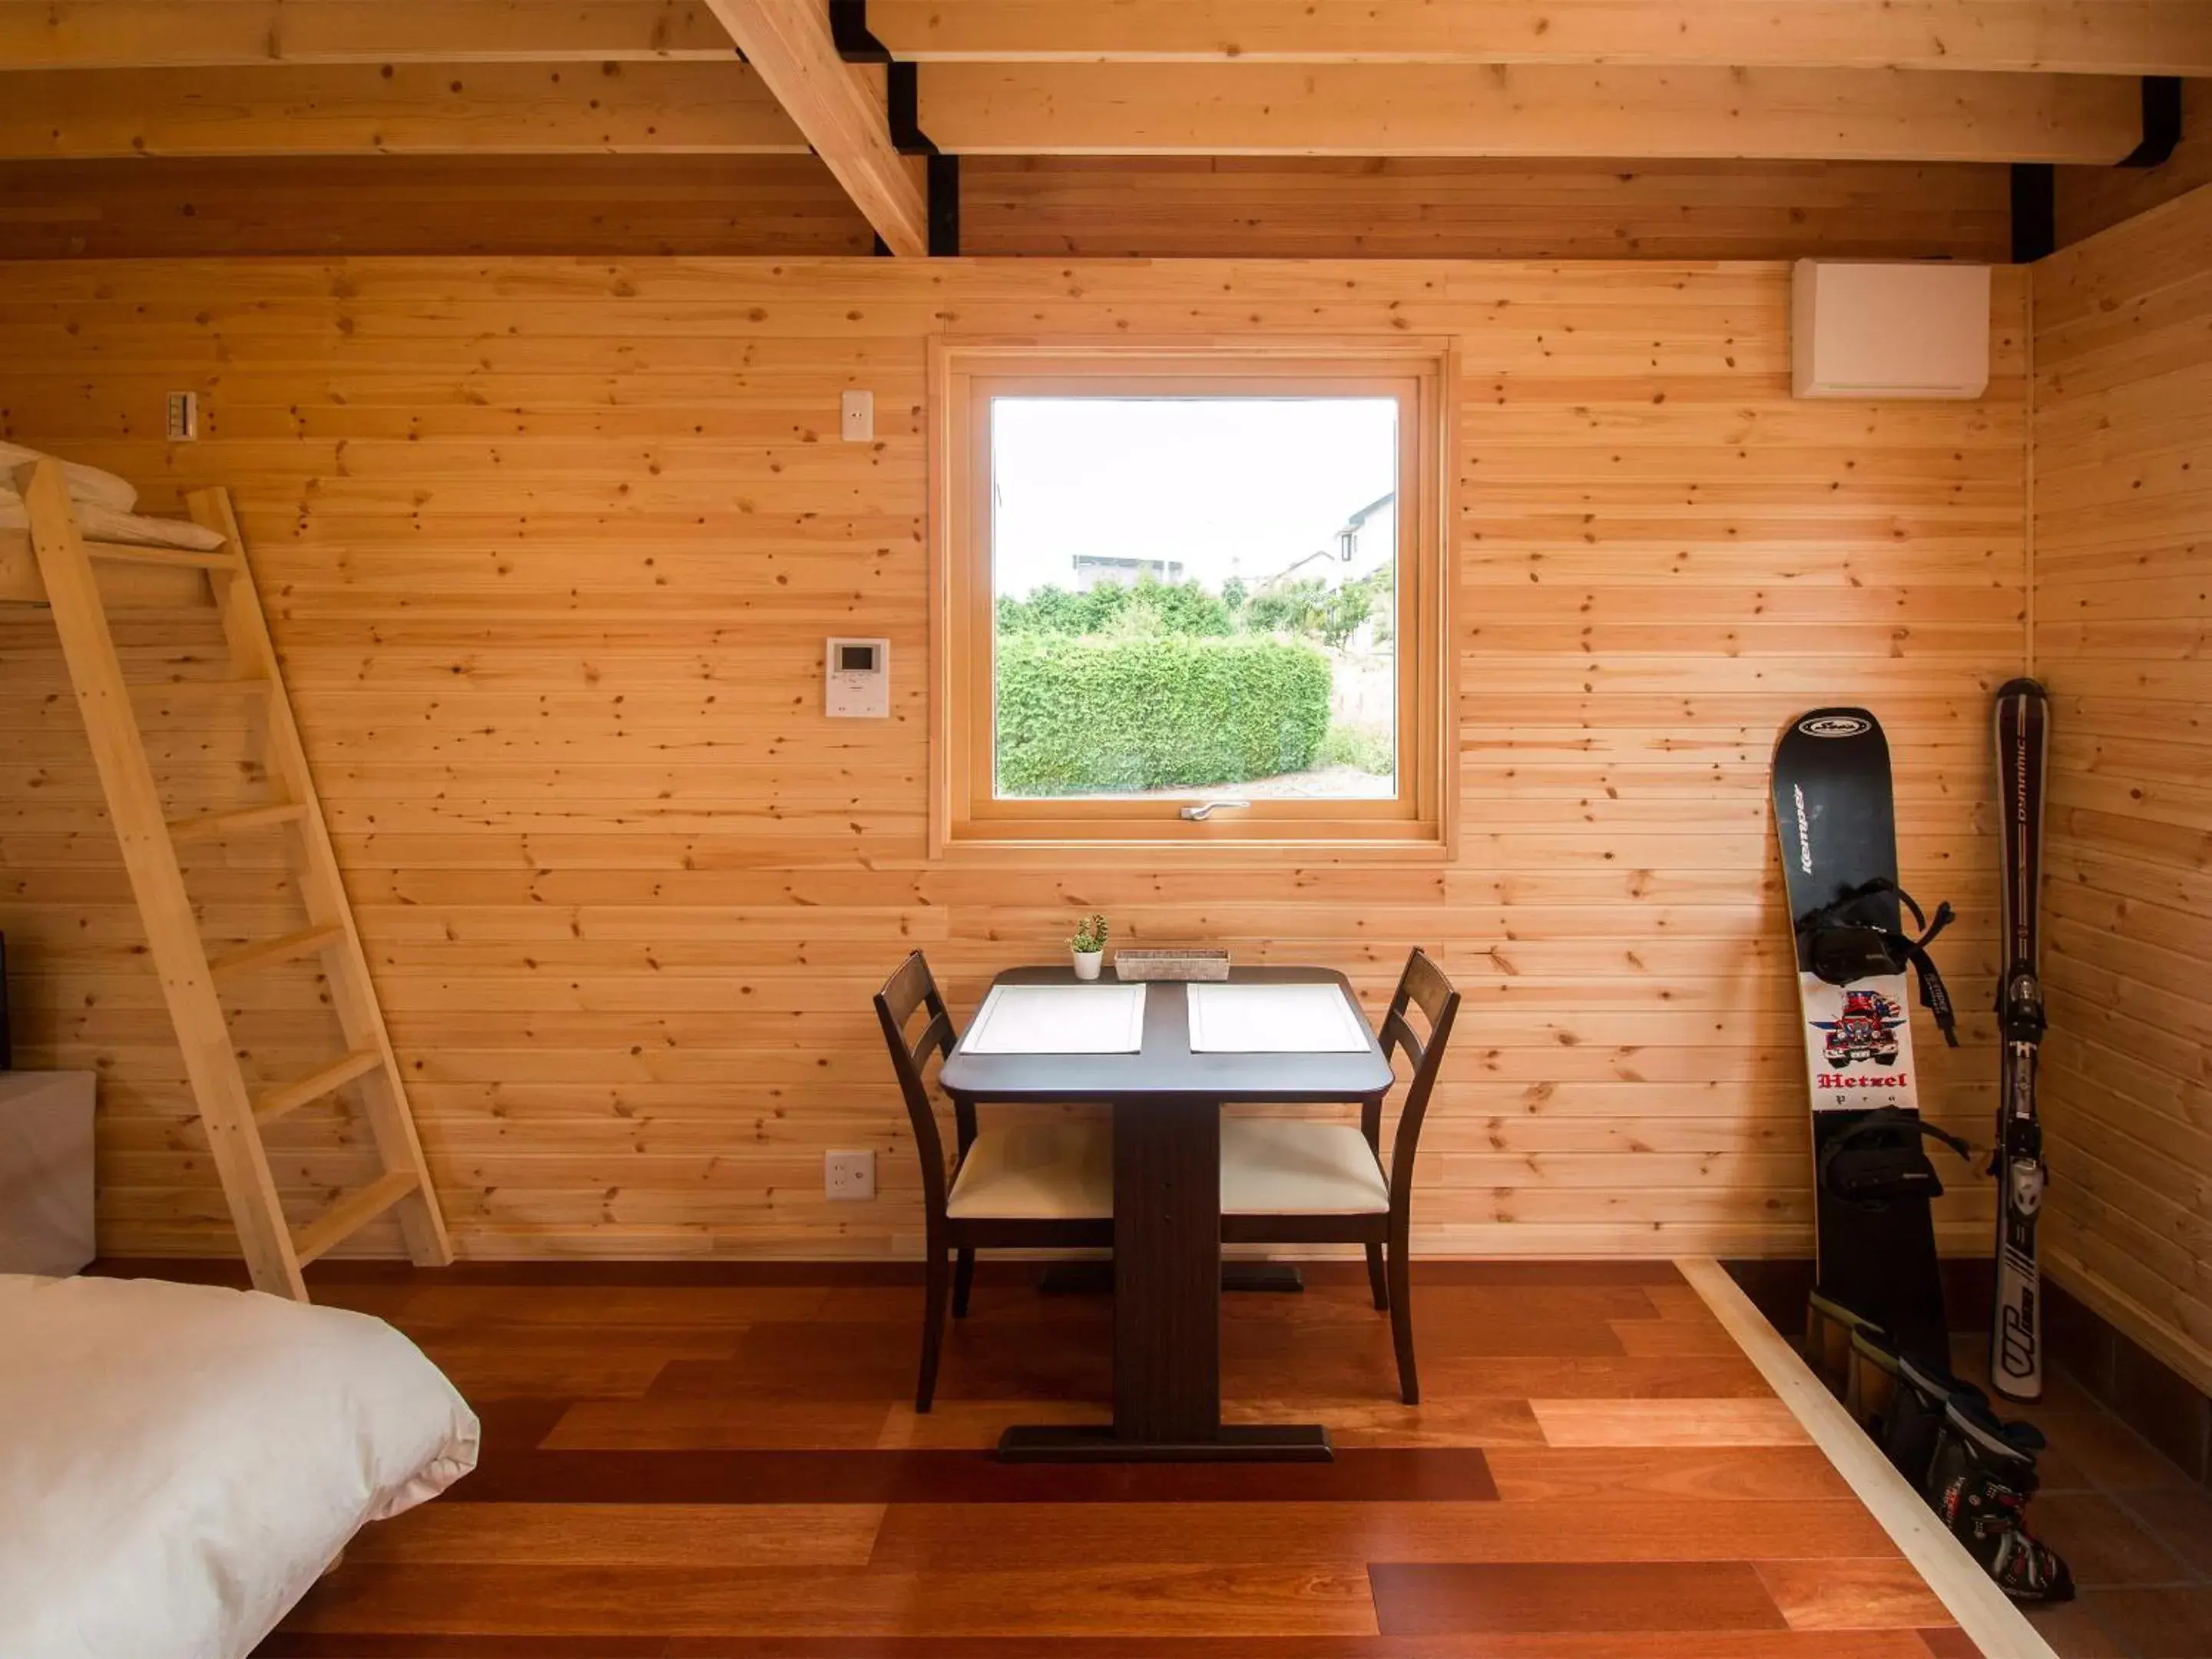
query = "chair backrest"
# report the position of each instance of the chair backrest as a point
(1423, 985)
(913, 987)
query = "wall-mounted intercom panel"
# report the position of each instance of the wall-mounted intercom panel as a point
(858, 679)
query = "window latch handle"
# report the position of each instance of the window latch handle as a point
(1205, 809)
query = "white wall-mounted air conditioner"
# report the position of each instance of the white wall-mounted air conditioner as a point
(1864, 330)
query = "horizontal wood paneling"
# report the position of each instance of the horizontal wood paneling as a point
(615, 206)
(1295, 207)
(549, 546)
(1284, 207)
(2123, 545)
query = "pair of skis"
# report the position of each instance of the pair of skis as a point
(2023, 735)
(1836, 816)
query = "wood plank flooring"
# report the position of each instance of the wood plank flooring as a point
(687, 1461)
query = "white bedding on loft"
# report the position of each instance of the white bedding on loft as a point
(103, 504)
(86, 484)
(103, 524)
(179, 1463)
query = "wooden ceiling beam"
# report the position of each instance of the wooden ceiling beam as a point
(488, 109)
(1430, 109)
(787, 42)
(48, 35)
(2087, 37)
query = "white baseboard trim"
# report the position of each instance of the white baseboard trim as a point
(1984, 1612)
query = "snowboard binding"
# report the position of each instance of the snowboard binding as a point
(1845, 941)
(1878, 1158)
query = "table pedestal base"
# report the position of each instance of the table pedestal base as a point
(1238, 1442)
(1096, 1277)
(1281, 1278)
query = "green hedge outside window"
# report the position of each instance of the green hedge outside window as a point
(1084, 716)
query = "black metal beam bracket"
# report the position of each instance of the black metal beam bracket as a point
(857, 44)
(2034, 211)
(943, 207)
(849, 33)
(902, 101)
(2161, 122)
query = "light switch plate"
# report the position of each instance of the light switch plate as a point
(184, 417)
(857, 416)
(848, 1175)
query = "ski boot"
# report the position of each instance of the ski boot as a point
(1914, 1425)
(1983, 1476)
(1830, 1327)
(1872, 1393)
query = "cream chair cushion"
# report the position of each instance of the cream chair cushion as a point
(1037, 1172)
(1271, 1166)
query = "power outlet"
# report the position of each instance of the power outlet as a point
(848, 1175)
(856, 416)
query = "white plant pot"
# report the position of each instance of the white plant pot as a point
(1087, 962)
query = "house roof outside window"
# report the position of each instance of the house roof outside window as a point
(1364, 543)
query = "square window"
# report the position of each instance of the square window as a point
(1194, 598)
(1189, 602)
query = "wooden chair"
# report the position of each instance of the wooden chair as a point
(1036, 1186)
(1289, 1182)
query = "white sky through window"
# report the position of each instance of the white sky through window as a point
(1224, 486)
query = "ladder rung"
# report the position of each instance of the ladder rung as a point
(273, 1103)
(247, 957)
(169, 558)
(351, 1214)
(210, 825)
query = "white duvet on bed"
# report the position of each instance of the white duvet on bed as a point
(85, 483)
(105, 506)
(103, 524)
(180, 1462)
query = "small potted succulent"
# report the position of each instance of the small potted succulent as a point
(1088, 946)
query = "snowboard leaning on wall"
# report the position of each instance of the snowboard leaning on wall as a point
(1872, 1182)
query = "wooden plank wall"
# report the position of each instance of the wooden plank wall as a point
(1296, 207)
(2123, 457)
(550, 548)
(615, 205)
(1283, 207)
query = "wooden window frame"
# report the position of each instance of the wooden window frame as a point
(965, 813)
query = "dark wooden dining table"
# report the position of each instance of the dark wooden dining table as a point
(1166, 1103)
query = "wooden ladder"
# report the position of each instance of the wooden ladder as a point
(234, 1110)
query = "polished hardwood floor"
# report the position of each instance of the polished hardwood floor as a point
(725, 1461)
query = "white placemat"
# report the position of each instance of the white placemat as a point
(1273, 1019)
(1059, 1019)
